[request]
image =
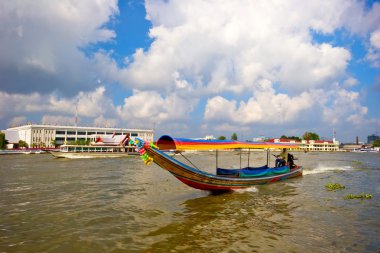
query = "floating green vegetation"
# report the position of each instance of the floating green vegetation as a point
(361, 196)
(357, 162)
(359, 165)
(334, 186)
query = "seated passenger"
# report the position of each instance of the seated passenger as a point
(282, 158)
(291, 161)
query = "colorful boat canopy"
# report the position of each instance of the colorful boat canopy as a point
(166, 142)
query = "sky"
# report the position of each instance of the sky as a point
(193, 68)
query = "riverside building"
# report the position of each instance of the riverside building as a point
(46, 135)
(311, 145)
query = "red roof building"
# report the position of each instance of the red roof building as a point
(311, 145)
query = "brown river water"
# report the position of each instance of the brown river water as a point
(121, 205)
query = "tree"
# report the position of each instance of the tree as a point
(376, 143)
(54, 143)
(3, 141)
(310, 136)
(234, 137)
(222, 137)
(80, 142)
(22, 144)
(290, 137)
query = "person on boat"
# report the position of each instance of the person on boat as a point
(291, 159)
(282, 158)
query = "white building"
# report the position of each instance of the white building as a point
(44, 135)
(311, 145)
(209, 137)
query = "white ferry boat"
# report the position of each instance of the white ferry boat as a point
(89, 151)
(367, 150)
(101, 146)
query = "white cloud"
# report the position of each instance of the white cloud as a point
(41, 44)
(350, 82)
(223, 46)
(359, 19)
(144, 109)
(229, 127)
(18, 121)
(58, 120)
(147, 108)
(101, 121)
(375, 39)
(374, 51)
(336, 107)
(14, 104)
(219, 108)
(324, 63)
(86, 104)
(90, 105)
(265, 106)
(345, 107)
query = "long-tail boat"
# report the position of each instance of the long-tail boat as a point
(224, 179)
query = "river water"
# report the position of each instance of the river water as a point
(121, 205)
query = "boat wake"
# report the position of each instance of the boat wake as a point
(250, 189)
(322, 169)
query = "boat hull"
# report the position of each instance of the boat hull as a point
(206, 181)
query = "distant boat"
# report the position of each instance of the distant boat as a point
(21, 151)
(366, 150)
(88, 151)
(224, 179)
(101, 147)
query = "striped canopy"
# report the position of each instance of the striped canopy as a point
(166, 142)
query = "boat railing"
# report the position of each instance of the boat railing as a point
(96, 149)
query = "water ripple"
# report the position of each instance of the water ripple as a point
(120, 205)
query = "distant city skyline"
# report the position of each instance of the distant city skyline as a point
(194, 68)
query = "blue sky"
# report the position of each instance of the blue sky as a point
(194, 68)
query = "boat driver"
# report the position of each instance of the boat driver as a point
(282, 158)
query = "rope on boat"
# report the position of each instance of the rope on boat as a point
(189, 161)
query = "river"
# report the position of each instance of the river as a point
(121, 205)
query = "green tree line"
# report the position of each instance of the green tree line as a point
(306, 136)
(234, 137)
